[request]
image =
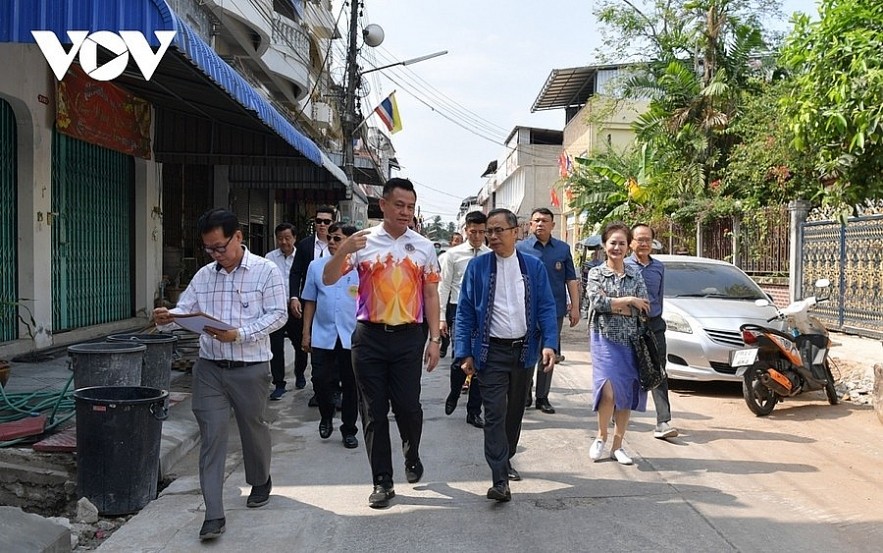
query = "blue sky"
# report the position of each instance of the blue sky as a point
(500, 53)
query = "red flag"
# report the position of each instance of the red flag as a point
(553, 195)
(562, 165)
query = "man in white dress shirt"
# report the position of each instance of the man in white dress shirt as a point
(283, 257)
(453, 267)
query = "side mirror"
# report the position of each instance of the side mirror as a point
(822, 283)
(761, 302)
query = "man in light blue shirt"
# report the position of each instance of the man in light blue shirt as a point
(329, 321)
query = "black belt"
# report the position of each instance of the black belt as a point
(224, 364)
(508, 342)
(390, 328)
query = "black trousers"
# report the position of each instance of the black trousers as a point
(300, 356)
(277, 347)
(331, 366)
(544, 379)
(388, 367)
(458, 378)
(450, 317)
(503, 382)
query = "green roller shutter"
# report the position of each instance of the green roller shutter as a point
(8, 211)
(92, 234)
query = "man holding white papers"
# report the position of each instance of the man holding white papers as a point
(246, 292)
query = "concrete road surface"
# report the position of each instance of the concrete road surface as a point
(806, 478)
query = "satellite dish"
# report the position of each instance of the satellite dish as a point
(373, 35)
(364, 88)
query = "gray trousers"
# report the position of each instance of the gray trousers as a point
(215, 391)
(503, 381)
(660, 393)
(544, 379)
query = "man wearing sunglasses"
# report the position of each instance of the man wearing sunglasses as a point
(310, 248)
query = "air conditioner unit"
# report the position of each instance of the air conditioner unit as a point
(323, 115)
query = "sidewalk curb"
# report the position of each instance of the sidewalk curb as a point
(180, 434)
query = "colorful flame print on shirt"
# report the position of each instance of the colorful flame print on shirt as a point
(391, 291)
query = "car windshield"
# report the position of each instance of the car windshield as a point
(707, 280)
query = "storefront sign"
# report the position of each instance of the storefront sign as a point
(102, 114)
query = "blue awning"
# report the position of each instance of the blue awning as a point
(18, 19)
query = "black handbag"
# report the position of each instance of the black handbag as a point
(650, 370)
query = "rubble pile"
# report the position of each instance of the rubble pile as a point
(854, 383)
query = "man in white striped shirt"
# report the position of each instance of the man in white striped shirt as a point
(246, 292)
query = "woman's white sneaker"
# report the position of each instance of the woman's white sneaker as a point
(597, 449)
(620, 457)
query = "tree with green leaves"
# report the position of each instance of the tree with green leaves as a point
(763, 168)
(836, 109)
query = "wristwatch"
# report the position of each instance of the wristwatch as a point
(435, 339)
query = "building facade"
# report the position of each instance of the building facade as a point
(596, 118)
(105, 169)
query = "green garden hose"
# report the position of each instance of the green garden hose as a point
(16, 406)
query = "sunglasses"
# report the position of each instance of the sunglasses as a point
(323, 221)
(336, 238)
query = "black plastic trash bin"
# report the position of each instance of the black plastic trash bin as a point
(157, 369)
(106, 364)
(119, 430)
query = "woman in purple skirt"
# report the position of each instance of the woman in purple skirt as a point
(617, 296)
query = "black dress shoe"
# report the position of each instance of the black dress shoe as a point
(260, 495)
(451, 402)
(414, 472)
(544, 406)
(350, 441)
(212, 529)
(499, 492)
(475, 420)
(326, 427)
(513, 474)
(381, 495)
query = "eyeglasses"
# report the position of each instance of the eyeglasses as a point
(219, 249)
(498, 230)
(323, 221)
(336, 238)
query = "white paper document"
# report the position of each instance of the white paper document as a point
(196, 322)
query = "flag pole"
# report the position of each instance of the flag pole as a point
(373, 111)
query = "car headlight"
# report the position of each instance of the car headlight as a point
(677, 323)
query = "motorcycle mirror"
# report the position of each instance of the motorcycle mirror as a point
(761, 302)
(823, 283)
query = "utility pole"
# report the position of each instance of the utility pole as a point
(349, 120)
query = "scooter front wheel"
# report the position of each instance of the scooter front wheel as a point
(760, 399)
(830, 391)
